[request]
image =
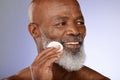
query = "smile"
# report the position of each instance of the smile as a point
(72, 45)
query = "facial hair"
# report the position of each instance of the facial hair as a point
(69, 61)
(72, 62)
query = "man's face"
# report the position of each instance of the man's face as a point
(62, 20)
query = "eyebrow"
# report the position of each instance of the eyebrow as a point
(80, 17)
(65, 17)
(60, 18)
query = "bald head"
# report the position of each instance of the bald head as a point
(37, 8)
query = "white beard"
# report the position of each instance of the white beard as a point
(72, 62)
(69, 61)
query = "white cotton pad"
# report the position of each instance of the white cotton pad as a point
(55, 44)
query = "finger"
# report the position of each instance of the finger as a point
(50, 53)
(47, 53)
(52, 59)
(44, 52)
(49, 62)
(46, 59)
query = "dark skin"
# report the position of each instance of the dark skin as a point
(58, 19)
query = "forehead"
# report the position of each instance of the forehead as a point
(51, 8)
(59, 5)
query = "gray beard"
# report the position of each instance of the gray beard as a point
(69, 61)
(72, 62)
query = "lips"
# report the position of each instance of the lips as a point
(72, 44)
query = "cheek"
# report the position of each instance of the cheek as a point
(82, 31)
(55, 34)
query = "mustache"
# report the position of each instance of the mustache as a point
(79, 39)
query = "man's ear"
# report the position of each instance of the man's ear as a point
(34, 30)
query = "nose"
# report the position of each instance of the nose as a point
(73, 30)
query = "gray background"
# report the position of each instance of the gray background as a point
(102, 43)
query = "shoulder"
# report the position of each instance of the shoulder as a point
(14, 77)
(22, 75)
(89, 74)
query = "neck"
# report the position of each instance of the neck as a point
(59, 72)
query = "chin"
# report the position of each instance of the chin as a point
(72, 60)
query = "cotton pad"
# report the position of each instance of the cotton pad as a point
(55, 44)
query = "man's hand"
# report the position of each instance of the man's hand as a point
(42, 65)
